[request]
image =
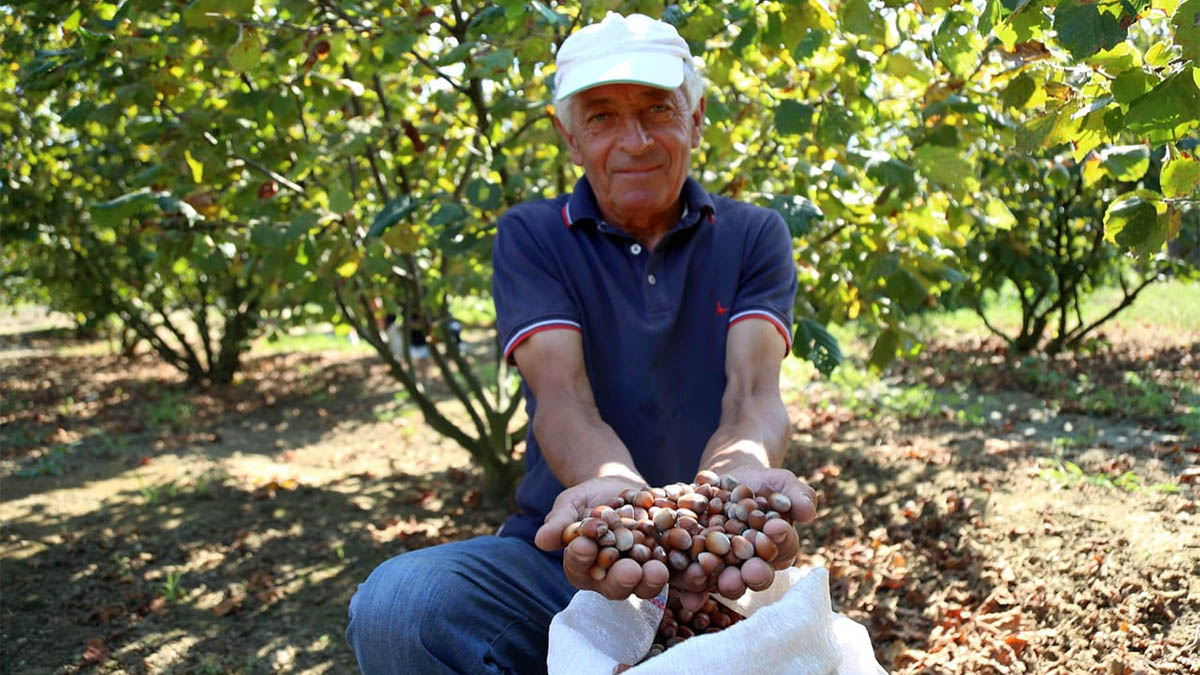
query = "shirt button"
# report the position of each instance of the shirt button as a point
(635, 249)
(651, 280)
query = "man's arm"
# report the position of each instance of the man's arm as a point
(751, 443)
(754, 422)
(586, 456)
(577, 444)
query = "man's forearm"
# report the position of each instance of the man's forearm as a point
(752, 431)
(577, 444)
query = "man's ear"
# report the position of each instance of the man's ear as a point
(569, 139)
(698, 123)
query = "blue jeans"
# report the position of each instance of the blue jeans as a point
(478, 606)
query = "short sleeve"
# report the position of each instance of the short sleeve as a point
(767, 284)
(527, 288)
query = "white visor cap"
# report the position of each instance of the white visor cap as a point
(634, 49)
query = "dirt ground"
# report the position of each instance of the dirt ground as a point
(979, 514)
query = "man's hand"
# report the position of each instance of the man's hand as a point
(755, 574)
(626, 576)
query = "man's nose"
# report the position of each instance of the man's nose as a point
(634, 138)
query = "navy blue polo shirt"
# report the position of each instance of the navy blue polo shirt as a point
(653, 323)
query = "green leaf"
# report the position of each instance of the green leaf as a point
(268, 237)
(793, 117)
(148, 175)
(746, 37)
(496, 61)
(885, 349)
(942, 165)
(1168, 111)
(340, 199)
(456, 55)
(1118, 59)
(834, 126)
(1133, 224)
(1027, 22)
(1127, 163)
(886, 170)
(552, 17)
(859, 18)
(808, 45)
(905, 287)
(798, 212)
(1187, 29)
(301, 225)
(391, 214)
(78, 114)
(196, 167)
(1019, 91)
(1160, 54)
(400, 44)
(246, 53)
(813, 342)
(1180, 177)
(487, 21)
(202, 14)
(955, 43)
(1131, 84)
(448, 213)
(1034, 133)
(114, 211)
(1084, 30)
(484, 194)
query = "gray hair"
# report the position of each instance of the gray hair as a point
(692, 89)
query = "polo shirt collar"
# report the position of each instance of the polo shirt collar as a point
(582, 207)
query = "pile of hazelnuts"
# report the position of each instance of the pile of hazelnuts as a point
(709, 529)
(678, 624)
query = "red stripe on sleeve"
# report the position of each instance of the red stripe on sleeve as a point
(525, 336)
(787, 339)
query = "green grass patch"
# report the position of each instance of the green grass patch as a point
(1066, 474)
(1171, 305)
(312, 340)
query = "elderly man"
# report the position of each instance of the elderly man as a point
(648, 319)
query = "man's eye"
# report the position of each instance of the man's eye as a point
(598, 117)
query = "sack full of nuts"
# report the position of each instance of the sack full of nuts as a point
(788, 628)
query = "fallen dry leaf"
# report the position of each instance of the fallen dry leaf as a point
(229, 605)
(95, 651)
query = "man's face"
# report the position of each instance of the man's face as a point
(634, 142)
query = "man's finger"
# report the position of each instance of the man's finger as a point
(549, 535)
(694, 578)
(693, 601)
(757, 574)
(578, 560)
(654, 576)
(804, 501)
(730, 583)
(786, 540)
(622, 578)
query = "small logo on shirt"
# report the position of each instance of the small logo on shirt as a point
(721, 310)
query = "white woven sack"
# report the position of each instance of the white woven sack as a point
(789, 628)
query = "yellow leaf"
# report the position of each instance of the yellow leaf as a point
(999, 215)
(348, 268)
(196, 167)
